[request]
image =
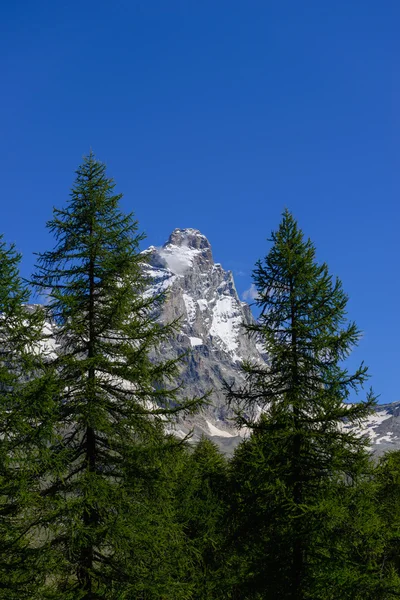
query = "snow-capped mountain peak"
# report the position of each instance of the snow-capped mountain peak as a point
(204, 296)
(202, 293)
(185, 249)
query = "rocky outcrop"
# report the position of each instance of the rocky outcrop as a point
(203, 294)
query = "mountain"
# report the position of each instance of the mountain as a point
(203, 294)
(383, 428)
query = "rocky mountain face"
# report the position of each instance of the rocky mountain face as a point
(203, 294)
(383, 428)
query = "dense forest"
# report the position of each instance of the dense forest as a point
(98, 501)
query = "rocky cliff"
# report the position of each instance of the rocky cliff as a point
(203, 294)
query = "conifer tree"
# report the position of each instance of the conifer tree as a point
(359, 538)
(301, 446)
(25, 400)
(113, 401)
(387, 481)
(200, 497)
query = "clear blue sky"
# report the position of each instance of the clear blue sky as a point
(216, 114)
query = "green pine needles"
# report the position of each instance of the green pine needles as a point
(301, 446)
(112, 400)
(24, 414)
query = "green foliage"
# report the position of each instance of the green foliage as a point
(387, 480)
(200, 496)
(97, 514)
(353, 540)
(300, 448)
(97, 501)
(21, 441)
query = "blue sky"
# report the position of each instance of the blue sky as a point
(216, 115)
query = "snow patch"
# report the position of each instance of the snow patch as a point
(373, 422)
(48, 345)
(190, 307)
(378, 418)
(203, 304)
(172, 430)
(216, 431)
(189, 232)
(195, 341)
(179, 259)
(385, 438)
(226, 323)
(370, 425)
(162, 280)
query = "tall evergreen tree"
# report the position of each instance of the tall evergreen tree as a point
(25, 400)
(113, 401)
(302, 445)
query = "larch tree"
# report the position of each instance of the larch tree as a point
(25, 402)
(303, 443)
(200, 499)
(113, 401)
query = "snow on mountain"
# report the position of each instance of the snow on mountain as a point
(211, 309)
(203, 294)
(382, 428)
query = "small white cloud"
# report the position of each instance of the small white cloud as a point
(250, 294)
